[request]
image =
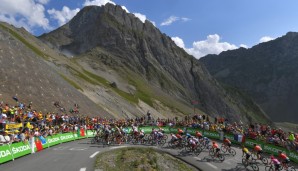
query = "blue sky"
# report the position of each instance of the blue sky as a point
(199, 26)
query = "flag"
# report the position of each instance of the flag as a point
(42, 139)
(81, 132)
(38, 144)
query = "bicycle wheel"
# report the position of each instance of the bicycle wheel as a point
(233, 152)
(264, 160)
(291, 168)
(223, 148)
(198, 150)
(221, 157)
(244, 162)
(269, 168)
(255, 167)
(211, 152)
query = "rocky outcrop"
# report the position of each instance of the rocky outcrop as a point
(143, 49)
(267, 72)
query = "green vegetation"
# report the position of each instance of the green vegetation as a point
(104, 82)
(135, 159)
(75, 85)
(30, 46)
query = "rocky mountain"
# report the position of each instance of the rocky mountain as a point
(26, 74)
(267, 72)
(115, 50)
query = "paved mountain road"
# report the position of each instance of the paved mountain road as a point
(80, 156)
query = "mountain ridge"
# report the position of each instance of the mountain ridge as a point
(267, 72)
(128, 67)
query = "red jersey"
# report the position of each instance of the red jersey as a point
(215, 145)
(257, 148)
(283, 156)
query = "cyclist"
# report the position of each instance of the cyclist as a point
(284, 158)
(227, 143)
(206, 141)
(174, 138)
(275, 162)
(198, 135)
(188, 136)
(258, 150)
(180, 131)
(192, 143)
(215, 148)
(246, 152)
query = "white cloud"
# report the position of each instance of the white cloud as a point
(185, 19)
(142, 17)
(244, 46)
(64, 15)
(169, 21)
(43, 1)
(125, 9)
(265, 39)
(24, 13)
(179, 42)
(211, 45)
(173, 19)
(98, 2)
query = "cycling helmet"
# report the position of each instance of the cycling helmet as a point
(279, 151)
(213, 142)
(225, 137)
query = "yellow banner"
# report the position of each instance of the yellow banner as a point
(13, 126)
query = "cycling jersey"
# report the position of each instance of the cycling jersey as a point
(283, 156)
(245, 150)
(275, 161)
(257, 148)
(215, 146)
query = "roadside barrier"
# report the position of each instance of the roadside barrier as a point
(16, 150)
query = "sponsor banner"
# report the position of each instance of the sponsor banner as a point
(191, 131)
(90, 133)
(5, 154)
(20, 149)
(231, 137)
(211, 134)
(66, 137)
(271, 149)
(13, 126)
(293, 156)
(53, 140)
(250, 143)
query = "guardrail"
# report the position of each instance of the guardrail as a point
(16, 150)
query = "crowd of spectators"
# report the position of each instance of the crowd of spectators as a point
(36, 123)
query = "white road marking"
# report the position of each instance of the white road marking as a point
(83, 169)
(94, 154)
(78, 149)
(197, 158)
(118, 147)
(61, 148)
(211, 165)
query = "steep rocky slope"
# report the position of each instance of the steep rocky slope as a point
(111, 45)
(267, 72)
(26, 74)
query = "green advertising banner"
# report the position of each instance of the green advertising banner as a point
(20, 149)
(53, 140)
(91, 133)
(66, 137)
(211, 134)
(5, 154)
(271, 149)
(293, 156)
